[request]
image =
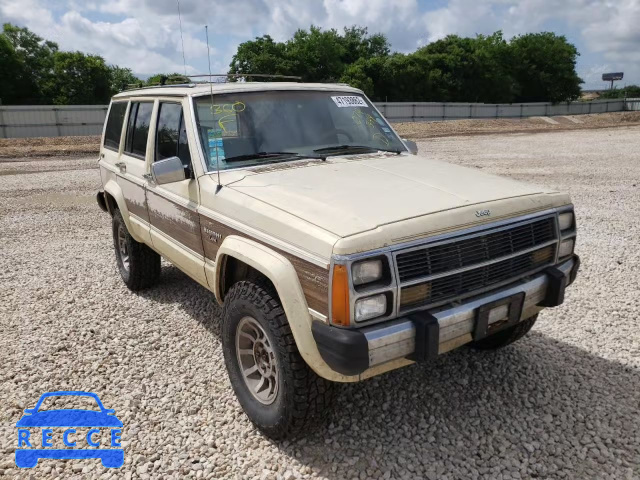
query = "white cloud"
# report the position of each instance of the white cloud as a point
(146, 45)
(144, 34)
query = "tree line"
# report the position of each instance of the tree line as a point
(485, 68)
(630, 91)
(35, 71)
(533, 67)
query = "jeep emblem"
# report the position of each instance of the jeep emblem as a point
(483, 213)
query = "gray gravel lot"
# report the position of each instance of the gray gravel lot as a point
(562, 403)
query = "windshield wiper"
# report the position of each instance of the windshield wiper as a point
(260, 155)
(341, 148)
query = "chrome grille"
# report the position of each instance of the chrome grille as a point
(475, 262)
(469, 251)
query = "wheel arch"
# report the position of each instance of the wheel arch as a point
(114, 199)
(284, 278)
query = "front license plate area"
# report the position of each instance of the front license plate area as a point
(498, 315)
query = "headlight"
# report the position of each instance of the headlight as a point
(366, 271)
(371, 307)
(566, 248)
(565, 221)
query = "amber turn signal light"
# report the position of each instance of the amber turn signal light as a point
(340, 296)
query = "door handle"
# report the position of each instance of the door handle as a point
(122, 166)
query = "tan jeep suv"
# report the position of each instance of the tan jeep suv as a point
(337, 252)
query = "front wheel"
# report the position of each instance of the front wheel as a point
(278, 391)
(139, 266)
(506, 336)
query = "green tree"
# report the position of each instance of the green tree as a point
(79, 79)
(545, 68)
(166, 79)
(121, 78)
(36, 58)
(405, 78)
(315, 55)
(470, 69)
(631, 91)
(359, 44)
(261, 55)
(12, 75)
(357, 76)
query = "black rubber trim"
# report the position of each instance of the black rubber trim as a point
(555, 289)
(574, 270)
(427, 336)
(345, 351)
(102, 201)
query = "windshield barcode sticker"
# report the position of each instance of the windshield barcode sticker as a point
(349, 101)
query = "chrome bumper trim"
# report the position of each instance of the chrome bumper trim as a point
(396, 339)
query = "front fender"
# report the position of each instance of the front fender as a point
(285, 279)
(112, 188)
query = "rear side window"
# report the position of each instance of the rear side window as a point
(138, 128)
(114, 125)
(171, 136)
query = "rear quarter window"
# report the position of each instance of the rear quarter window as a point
(113, 130)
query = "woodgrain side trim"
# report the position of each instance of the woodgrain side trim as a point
(313, 278)
(134, 197)
(176, 221)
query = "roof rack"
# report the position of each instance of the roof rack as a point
(244, 75)
(163, 80)
(136, 86)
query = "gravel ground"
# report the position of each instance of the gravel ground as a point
(418, 130)
(562, 403)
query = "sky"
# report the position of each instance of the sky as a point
(144, 35)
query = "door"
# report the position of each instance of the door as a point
(132, 166)
(175, 223)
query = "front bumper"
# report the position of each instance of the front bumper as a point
(424, 335)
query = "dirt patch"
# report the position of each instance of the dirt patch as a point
(513, 125)
(49, 146)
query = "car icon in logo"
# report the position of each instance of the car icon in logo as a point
(70, 419)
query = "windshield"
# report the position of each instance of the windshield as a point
(253, 128)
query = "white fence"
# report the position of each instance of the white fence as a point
(632, 104)
(55, 121)
(431, 111)
(51, 120)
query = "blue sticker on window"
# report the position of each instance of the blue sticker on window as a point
(216, 147)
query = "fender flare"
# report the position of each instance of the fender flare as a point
(112, 188)
(284, 277)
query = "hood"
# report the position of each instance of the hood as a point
(348, 195)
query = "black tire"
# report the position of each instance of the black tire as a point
(506, 336)
(141, 269)
(302, 397)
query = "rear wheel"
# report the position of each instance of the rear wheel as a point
(139, 266)
(278, 391)
(506, 336)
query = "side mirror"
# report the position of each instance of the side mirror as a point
(169, 170)
(29, 410)
(411, 145)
